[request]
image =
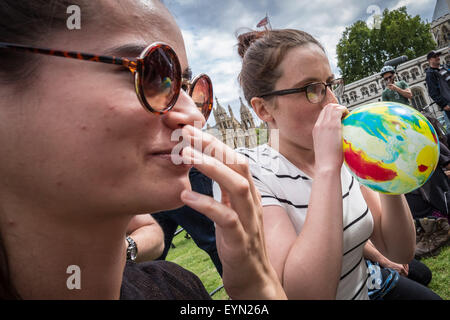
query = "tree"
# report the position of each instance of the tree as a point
(362, 51)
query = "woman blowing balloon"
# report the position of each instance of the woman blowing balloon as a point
(85, 144)
(317, 218)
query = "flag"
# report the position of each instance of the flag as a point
(263, 22)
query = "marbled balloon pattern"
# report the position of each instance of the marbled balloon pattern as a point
(389, 147)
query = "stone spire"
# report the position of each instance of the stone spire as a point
(246, 116)
(440, 26)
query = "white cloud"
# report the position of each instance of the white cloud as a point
(413, 5)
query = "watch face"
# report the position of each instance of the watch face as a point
(131, 250)
(133, 253)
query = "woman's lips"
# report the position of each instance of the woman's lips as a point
(174, 158)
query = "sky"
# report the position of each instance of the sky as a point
(209, 29)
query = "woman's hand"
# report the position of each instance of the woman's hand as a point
(327, 136)
(402, 269)
(247, 272)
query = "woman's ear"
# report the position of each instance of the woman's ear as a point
(262, 111)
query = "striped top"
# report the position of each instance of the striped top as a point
(283, 184)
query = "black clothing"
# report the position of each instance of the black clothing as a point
(435, 193)
(438, 84)
(197, 225)
(407, 289)
(160, 280)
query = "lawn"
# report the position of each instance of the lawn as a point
(189, 256)
(440, 267)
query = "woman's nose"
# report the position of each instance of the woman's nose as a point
(184, 112)
(329, 98)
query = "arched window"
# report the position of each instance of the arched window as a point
(353, 96)
(415, 73)
(445, 33)
(364, 91)
(418, 100)
(425, 67)
(345, 99)
(373, 88)
(405, 76)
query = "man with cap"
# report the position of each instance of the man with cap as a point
(438, 83)
(395, 91)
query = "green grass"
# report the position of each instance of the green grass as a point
(440, 268)
(189, 256)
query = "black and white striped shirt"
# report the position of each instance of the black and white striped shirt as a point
(283, 184)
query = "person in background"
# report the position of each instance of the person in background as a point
(199, 227)
(438, 84)
(395, 91)
(317, 218)
(398, 281)
(430, 204)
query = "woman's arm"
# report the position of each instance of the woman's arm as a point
(404, 92)
(371, 253)
(309, 264)
(394, 232)
(148, 235)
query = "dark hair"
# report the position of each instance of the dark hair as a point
(262, 53)
(30, 23)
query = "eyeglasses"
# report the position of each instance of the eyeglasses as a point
(388, 78)
(157, 76)
(315, 92)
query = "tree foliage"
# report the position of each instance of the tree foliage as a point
(362, 51)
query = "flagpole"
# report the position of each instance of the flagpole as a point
(267, 18)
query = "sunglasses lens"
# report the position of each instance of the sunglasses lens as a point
(161, 77)
(201, 93)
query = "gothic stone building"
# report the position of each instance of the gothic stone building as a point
(369, 89)
(230, 131)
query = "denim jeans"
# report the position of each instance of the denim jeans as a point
(200, 228)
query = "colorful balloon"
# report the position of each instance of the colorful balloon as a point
(389, 147)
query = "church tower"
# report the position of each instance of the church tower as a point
(221, 117)
(246, 117)
(223, 123)
(248, 125)
(440, 26)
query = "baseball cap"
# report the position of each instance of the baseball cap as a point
(432, 54)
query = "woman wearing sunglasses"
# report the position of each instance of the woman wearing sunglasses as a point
(317, 218)
(85, 144)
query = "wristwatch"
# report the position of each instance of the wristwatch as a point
(132, 250)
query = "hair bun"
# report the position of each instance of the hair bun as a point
(246, 39)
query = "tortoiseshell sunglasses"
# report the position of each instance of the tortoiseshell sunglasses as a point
(157, 76)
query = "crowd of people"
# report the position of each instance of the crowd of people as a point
(89, 177)
(430, 203)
